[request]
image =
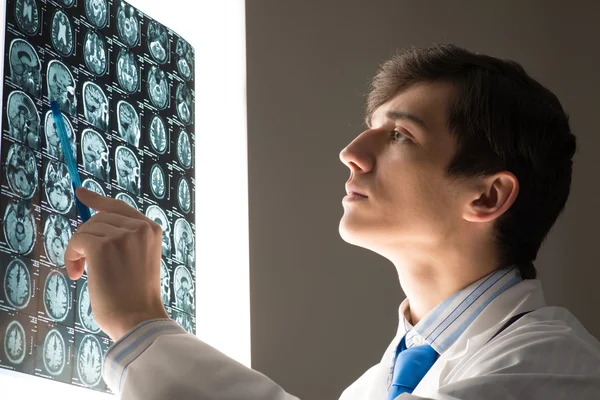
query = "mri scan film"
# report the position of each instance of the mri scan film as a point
(95, 106)
(158, 42)
(21, 171)
(129, 123)
(25, 67)
(23, 119)
(127, 167)
(27, 16)
(158, 135)
(57, 233)
(61, 33)
(127, 24)
(94, 154)
(125, 86)
(58, 187)
(157, 215)
(19, 226)
(53, 147)
(94, 52)
(96, 12)
(61, 86)
(127, 71)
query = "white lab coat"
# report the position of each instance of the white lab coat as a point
(545, 355)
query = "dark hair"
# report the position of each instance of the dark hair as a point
(503, 120)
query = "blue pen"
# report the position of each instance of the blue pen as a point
(84, 211)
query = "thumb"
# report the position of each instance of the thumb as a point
(74, 257)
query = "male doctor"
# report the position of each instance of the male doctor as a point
(463, 169)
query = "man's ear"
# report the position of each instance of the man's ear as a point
(492, 197)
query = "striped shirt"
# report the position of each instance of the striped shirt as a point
(441, 326)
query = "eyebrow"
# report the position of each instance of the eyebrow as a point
(396, 115)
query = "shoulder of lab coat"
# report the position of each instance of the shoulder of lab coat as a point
(547, 354)
(159, 360)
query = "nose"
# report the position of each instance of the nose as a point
(359, 154)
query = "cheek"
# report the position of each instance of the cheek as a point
(420, 195)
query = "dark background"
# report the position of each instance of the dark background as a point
(324, 311)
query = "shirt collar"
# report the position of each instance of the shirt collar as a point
(441, 326)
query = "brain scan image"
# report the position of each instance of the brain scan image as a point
(27, 15)
(165, 283)
(96, 12)
(158, 87)
(183, 103)
(128, 170)
(127, 24)
(184, 57)
(56, 296)
(184, 149)
(94, 52)
(25, 67)
(95, 154)
(127, 71)
(183, 284)
(184, 243)
(17, 284)
(95, 106)
(54, 352)
(58, 187)
(157, 181)
(23, 119)
(15, 342)
(19, 227)
(128, 123)
(53, 146)
(124, 84)
(86, 318)
(157, 215)
(183, 195)
(158, 135)
(95, 187)
(158, 42)
(61, 87)
(127, 199)
(89, 361)
(185, 321)
(61, 33)
(21, 171)
(57, 233)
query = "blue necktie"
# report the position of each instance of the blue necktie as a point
(410, 367)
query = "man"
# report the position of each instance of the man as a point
(462, 171)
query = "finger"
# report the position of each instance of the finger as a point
(101, 229)
(116, 220)
(106, 204)
(75, 253)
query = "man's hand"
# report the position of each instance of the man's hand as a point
(122, 249)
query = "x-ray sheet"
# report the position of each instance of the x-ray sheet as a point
(125, 85)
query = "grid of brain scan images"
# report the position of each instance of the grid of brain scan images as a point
(125, 85)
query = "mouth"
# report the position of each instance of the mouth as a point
(354, 197)
(356, 194)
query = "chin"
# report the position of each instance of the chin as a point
(353, 232)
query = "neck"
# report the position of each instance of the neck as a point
(427, 281)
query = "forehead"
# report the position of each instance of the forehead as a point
(429, 101)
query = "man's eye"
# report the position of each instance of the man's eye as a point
(398, 137)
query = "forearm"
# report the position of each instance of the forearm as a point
(159, 360)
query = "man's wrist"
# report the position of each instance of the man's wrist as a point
(131, 320)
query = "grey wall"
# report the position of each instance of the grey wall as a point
(324, 311)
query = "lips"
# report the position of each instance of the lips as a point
(355, 190)
(356, 194)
